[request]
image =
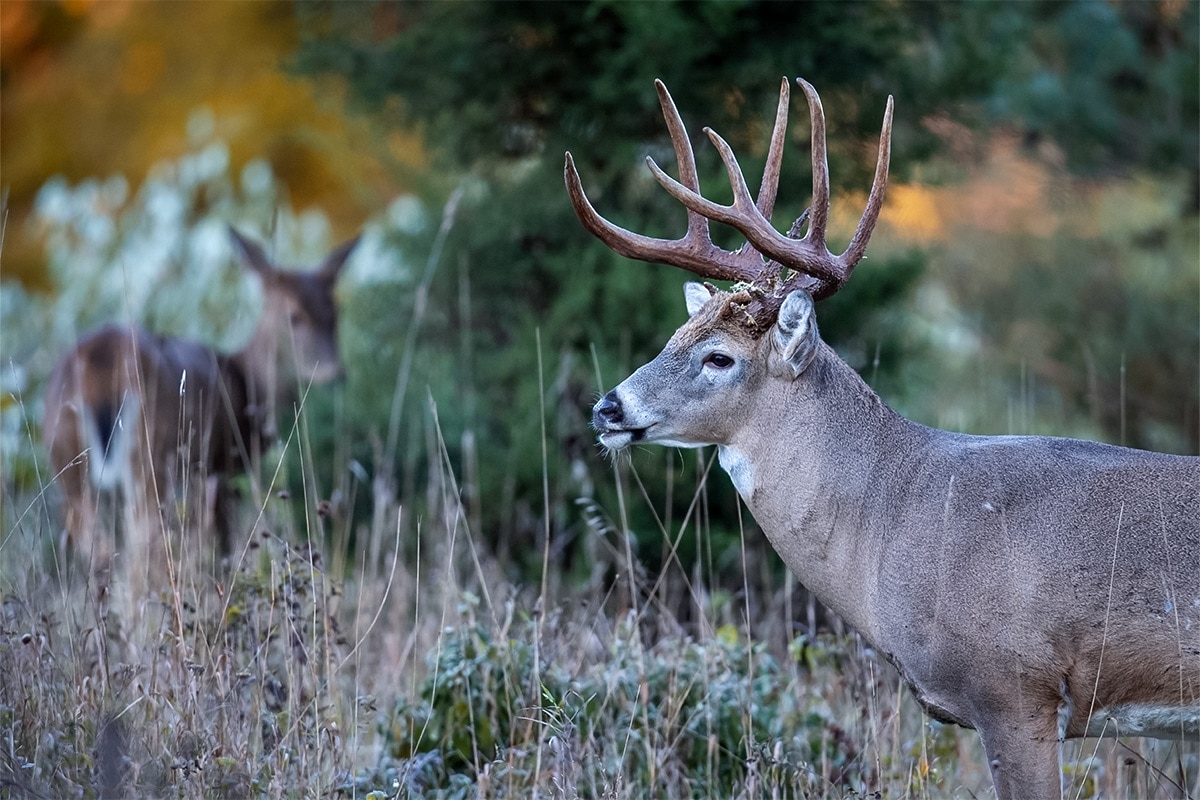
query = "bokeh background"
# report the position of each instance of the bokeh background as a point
(1036, 270)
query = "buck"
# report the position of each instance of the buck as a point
(1031, 588)
(152, 415)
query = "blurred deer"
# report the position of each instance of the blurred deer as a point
(147, 416)
(1031, 588)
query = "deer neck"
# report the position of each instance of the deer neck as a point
(805, 483)
(261, 362)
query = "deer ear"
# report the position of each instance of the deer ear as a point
(251, 254)
(795, 333)
(337, 259)
(696, 295)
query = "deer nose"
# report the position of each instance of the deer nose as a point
(607, 412)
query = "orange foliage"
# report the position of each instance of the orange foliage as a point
(1004, 190)
(97, 88)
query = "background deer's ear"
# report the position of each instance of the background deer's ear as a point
(795, 333)
(696, 295)
(251, 254)
(332, 266)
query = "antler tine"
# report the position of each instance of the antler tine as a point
(744, 264)
(624, 242)
(740, 213)
(818, 286)
(866, 224)
(695, 251)
(769, 187)
(821, 286)
(685, 155)
(743, 214)
(819, 220)
(770, 181)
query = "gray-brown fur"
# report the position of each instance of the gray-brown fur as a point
(1016, 582)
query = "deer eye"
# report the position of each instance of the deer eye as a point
(718, 360)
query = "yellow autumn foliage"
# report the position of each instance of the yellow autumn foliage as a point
(101, 88)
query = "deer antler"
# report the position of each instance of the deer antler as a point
(767, 252)
(694, 251)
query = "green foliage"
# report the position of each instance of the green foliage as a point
(700, 719)
(577, 74)
(1109, 338)
(1111, 82)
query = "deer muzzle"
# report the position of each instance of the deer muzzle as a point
(609, 420)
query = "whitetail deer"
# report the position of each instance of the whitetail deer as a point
(152, 415)
(1029, 587)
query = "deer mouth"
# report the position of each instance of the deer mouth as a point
(620, 438)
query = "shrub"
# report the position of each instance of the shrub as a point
(521, 706)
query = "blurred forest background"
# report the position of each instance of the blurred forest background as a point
(1036, 269)
(498, 610)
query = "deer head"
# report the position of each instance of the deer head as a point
(297, 333)
(714, 360)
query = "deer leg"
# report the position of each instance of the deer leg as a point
(148, 497)
(1024, 760)
(221, 501)
(80, 538)
(226, 500)
(83, 540)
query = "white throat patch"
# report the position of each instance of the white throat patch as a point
(739, 468)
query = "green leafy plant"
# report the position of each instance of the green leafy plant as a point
(699, 718)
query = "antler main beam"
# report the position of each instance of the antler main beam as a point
(767, 251)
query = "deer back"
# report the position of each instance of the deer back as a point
(187, 399)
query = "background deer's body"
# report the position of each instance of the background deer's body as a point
(149, 415)
(1032, 588)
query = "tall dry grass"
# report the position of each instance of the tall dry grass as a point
(407, 666)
